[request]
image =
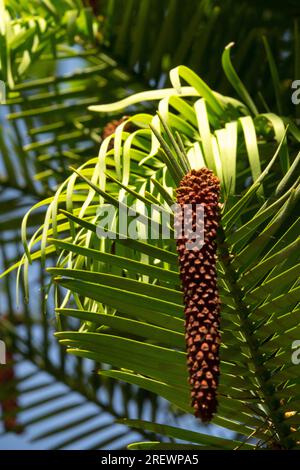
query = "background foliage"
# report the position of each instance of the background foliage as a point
(102, 53)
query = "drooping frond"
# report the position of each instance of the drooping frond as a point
(132, 286)
(125, 293)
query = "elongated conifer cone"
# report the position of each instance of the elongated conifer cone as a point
(199, 282)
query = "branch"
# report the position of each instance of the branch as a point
(262, 373)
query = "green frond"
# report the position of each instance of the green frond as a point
(117, 299)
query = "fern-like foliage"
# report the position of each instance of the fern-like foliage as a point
(126, 292)
(63, 405)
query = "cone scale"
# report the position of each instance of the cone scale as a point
(199, 284)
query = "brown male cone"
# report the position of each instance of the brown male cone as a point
(199, 282)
